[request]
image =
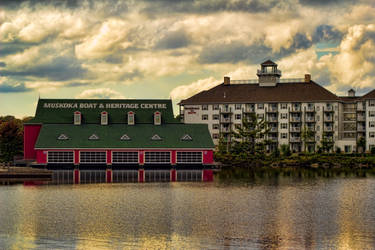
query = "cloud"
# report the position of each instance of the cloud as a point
(185, 91)
(173, 40)
(9, 86)
(100, 93)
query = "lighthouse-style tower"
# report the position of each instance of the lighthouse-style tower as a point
(268, 75)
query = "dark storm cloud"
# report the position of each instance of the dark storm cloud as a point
(173, 40)
(12, 88)
(327, 33)
(13, 48)
(60, 69)
(238, 52)
(13, 4)
(325, 2)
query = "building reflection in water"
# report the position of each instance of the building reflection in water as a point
(308, 214)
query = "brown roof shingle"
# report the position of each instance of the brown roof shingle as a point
(251, 93)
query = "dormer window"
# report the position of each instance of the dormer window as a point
(63, 137)
(157, 118)
(104, 118)
(77, 118)
(131, 120)
(186, 137)
(156, 137)
(94, 137)
(125, 137)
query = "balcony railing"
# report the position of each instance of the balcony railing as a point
(361, 129)
(273, 129)
(226, 110)
(328, 128)
(349, 110)
(272, 109)
(361, 118)
(295, 119)
(295, 129)
(296, 109)
(264, 72)
(248, 110)
(328, 108)
(328, 118)
(310, 109)
(272, 119)
(225, 120)
(295, 139)
(310, 119)
(310, 128)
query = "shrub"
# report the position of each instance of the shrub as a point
(373, 150)
(286, 150)
(338, 150)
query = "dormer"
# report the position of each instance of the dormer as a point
(157, 118)
(268, 75)
(104, 118)
(351, 92)
(77, 118)
(131, 118)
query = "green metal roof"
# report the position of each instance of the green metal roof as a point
(62, 110)
(110, 136)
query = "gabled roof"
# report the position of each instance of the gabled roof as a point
(110, 136)
(252, 93)
(369, 95)
(268, 63)
(62, 110)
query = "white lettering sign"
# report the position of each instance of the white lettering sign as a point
(104, 106)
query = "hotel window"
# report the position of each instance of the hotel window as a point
(371, 113)
(104, 118)
(260, 105)
(125, 157)
(284, 135)
(238, 116)
(157, 157)
(60, 157)
(204, 117)
(283, 125)
(372, 134)
(283, 105)
(318, 127)
(310, 106)
(371, 124)
(317, 138)
(157, 118)
(131, 120)
(93, 157)
(317, 118)
(283, 116)
(215, 126)
(189, 157)
(215, 107)
(238, 106)
(215, 117)
(77, 118)
(215, 136)
(371, 103)
(204, 107)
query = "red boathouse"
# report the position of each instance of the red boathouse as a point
(110, 133)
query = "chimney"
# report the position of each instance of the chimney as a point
(351, 92)
(226, 80)
(307, 78)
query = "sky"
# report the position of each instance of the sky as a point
(174, 49)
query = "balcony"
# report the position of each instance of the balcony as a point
(361, 129)
(272, 119)
(349, 110)
(295, 119)
(310, 109)
(328, 118)
(295, 139)
(310, 128)
(248, 110)
(361, 118)
(265, 72)
(272, 138)
(273, 129)
(226, 110)
(272, 109)
(328, 108)
(295, 129)
(328, 128)
(225, 120)
(226, 130)
(310, 119)
(295, 109)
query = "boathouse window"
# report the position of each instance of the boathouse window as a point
(204, 107)
(186, 138)
(189, 157)
(125, 137)
(60, 157)
(157, 157)
(215, 126)
(131, 120)
(77, 118)
(63, 137)
(125, 157)
(94, 137)
(157, 118)
(93, 157)
(215, 136)
(104, 118)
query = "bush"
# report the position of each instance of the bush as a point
(286, 150)
(373, 151)
(338, 150)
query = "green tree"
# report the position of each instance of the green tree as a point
(11, 138)
(326, 142)
(307, 135)
(285, 150)
(361, 145)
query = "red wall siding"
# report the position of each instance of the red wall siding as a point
(41, 156)
(173, 157)
(109, 157)
(30, 136)
(208, 157)
(76, 156)
(141, 157)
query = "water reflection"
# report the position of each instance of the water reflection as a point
(323, 213)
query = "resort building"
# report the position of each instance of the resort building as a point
(114, 133)
(290, 107)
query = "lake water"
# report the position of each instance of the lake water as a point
(283, 213)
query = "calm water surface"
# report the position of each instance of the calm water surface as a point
(285, 213)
